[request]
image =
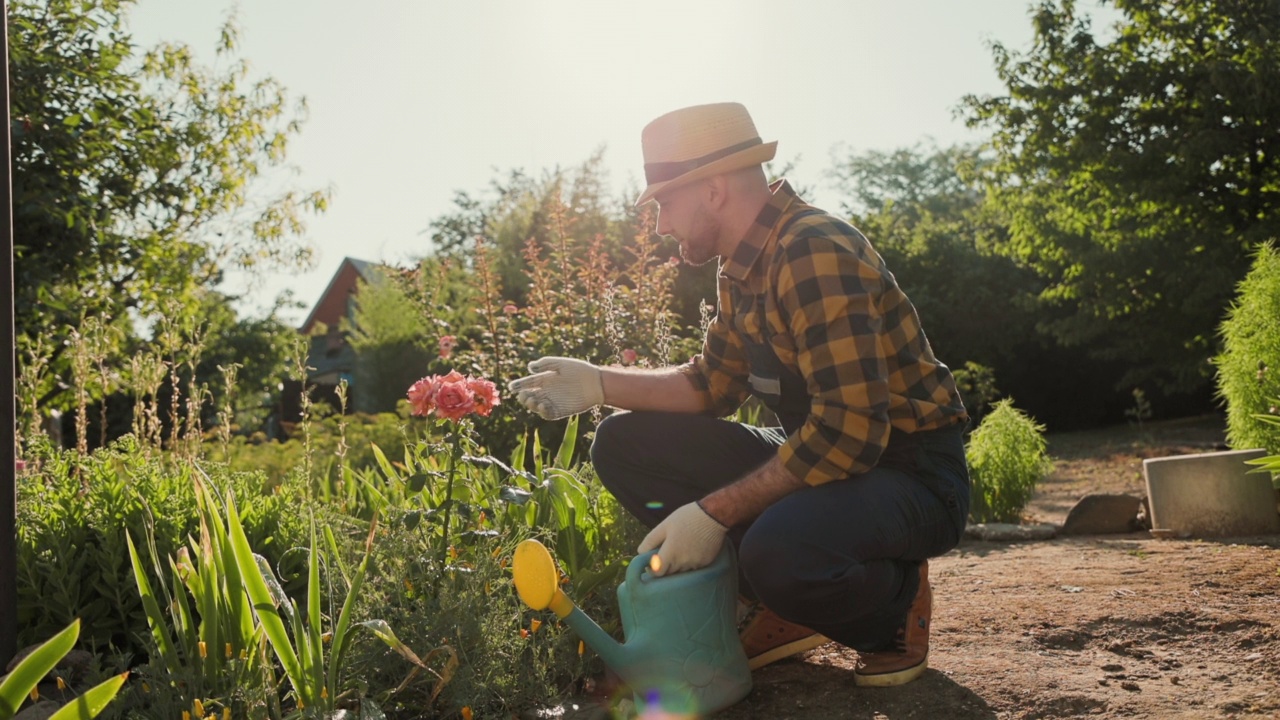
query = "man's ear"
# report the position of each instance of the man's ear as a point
(716, 191)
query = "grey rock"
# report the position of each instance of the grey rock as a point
(1103, 514)
(1010, 531)
(40, 711)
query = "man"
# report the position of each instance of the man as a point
(835, 513)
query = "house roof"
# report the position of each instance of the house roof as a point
(344, 282)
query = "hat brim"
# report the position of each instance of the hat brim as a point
(756, 155)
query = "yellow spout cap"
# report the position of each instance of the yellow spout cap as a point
(538, 580)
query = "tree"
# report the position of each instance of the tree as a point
(1138, 172)
(137, 176)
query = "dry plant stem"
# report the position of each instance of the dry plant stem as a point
(490, 289)
(341, 450)
(80, 379)
(227, 414)
(300, 347)
(30, 377)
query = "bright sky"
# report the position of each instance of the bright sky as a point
(411, 100)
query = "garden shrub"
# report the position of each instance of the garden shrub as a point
(73, 558)
(1248, 368)
(1007, 459)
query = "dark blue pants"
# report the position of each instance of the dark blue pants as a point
(841, 557)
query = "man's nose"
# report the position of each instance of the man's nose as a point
(662, 226)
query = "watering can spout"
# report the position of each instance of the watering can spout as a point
(537, 582)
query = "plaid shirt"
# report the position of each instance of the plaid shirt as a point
(833, 314)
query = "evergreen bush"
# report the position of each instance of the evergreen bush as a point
(1007, 459)
(1248, 368)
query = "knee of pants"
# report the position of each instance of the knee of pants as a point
(768, 563)
(610, 444)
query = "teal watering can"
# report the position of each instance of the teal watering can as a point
(682, 655)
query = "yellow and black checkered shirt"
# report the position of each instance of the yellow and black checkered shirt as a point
(825, 303)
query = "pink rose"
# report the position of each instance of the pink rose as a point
(422, 395)
(628, 357)
(447, 344)
(486, 395)
(454, 399)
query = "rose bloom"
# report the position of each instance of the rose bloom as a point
(628, 357)
(454, 399)
(486, 395)
(422, 395)
(447, 344)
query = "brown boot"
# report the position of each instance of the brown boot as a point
(767, 638)
(909, 656)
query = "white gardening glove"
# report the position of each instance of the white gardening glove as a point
(559, 387)
(689, 539)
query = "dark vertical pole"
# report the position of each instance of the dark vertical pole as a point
(8, 422)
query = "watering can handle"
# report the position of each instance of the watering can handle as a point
(638, 565)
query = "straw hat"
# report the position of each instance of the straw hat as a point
(699, 142)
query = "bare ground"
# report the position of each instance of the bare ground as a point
(1104, 626)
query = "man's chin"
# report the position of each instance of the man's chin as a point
(695, 260)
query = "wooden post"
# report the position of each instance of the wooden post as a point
(8, 421)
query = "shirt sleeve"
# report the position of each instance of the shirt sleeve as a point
(719, 372)
(830, 294)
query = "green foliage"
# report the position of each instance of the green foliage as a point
(466, 601)
(73, 552)
(391, 336)
(355, 434)
(1248, 368)
(977, 385)
(559, 269)
(208, 641)
(1007, 459)
(137, 177)
(19, 683)
(1136, 170)
(1270, 463)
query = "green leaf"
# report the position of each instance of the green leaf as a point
(386, 635)
(264, 603)
(514, 495)
(564, 458)
(387, 468)
(155, 618)
(92, 701)
(417, 482)
(17, 685)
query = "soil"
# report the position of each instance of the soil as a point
(1101, 626)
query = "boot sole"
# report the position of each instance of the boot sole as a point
(901, 677)
(787, 650)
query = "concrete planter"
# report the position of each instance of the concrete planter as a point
(1210, 495)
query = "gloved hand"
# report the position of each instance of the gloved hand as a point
(687, 539)
(559, 387)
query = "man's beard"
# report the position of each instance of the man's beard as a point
(700, 247)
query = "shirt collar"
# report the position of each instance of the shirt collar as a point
(752, 245)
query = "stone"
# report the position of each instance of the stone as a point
(42, 710)
(1102, 514)
(1010, 531)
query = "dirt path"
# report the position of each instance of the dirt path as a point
(1106, 626)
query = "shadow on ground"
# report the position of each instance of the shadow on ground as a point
(792, 689)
